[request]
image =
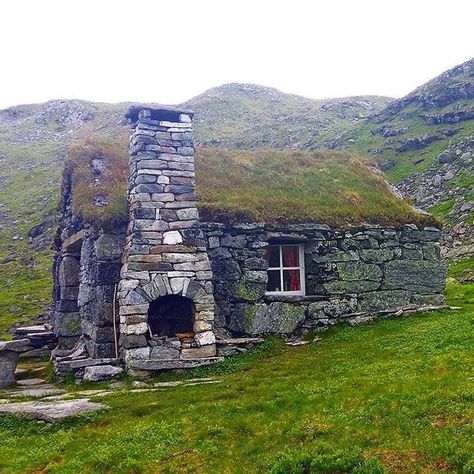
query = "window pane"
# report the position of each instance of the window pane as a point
(273, 256)
(274, 283)
(291, 256)
(291, 280)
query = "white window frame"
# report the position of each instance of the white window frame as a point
(281, 268)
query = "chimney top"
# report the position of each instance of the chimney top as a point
(158, 112)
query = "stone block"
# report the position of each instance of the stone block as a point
(197, 352)
(152, 165)
(334, 308)
(107, 273)
(225, 269)
(164, 352)
(205, 338)
(69, 292)
(145, 179)
(354, 271)
(431, 252)
(252, 286)
(134, 298)
(140, 353)
(335, 255)
(384, 300)
(275, 318)
(350, 287)
(145, 213)
(429, 300)
(8, 362)
(130, 341)
(150, 225)
(149, 188)
(414, 253)
(67, 306)
(97, 373)
(69, 270)
(172, 237)
(109, 247)
(201, 326)
(238, 241)
(418, 276)
(67, 324)
(187, 214)
(376, 255)
(134, 309)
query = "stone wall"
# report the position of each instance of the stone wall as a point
(86, 271)
(165, 253)
(350, 275)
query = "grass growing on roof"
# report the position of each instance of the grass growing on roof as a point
(275, 186)
(109, 186)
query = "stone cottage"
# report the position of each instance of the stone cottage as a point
(169, 290)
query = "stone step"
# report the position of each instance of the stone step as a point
(236, 345)
(73, 365)
(171, 364)
(237, 341)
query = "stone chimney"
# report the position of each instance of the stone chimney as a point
(165, 257)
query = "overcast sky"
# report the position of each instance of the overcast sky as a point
(169, 51)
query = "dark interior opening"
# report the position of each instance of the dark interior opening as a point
(170, 315)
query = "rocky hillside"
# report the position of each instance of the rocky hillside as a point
(249, 116)
(408, 135)
(424, 142)
(446, 189)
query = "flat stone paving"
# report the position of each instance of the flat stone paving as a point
(54, 403)
(51, 411)
(29, 382)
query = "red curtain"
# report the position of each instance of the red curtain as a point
(290, 259)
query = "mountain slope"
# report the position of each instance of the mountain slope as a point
(408, 135)
(249, 116)
(424, 142)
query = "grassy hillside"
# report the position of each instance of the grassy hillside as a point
(394, 396)
(250, 116)
(408, 135)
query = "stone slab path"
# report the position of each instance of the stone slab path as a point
(29, 382)
(51, 411)
(53, 404)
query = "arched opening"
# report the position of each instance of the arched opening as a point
(171, 315)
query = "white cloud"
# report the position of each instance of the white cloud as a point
(152, 50)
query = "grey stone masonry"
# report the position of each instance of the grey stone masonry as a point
(165, 252)
(350, 275)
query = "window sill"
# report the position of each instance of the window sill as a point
(289, 298)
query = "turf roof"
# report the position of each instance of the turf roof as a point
(236, 186)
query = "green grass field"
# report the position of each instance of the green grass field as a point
(393, 396)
